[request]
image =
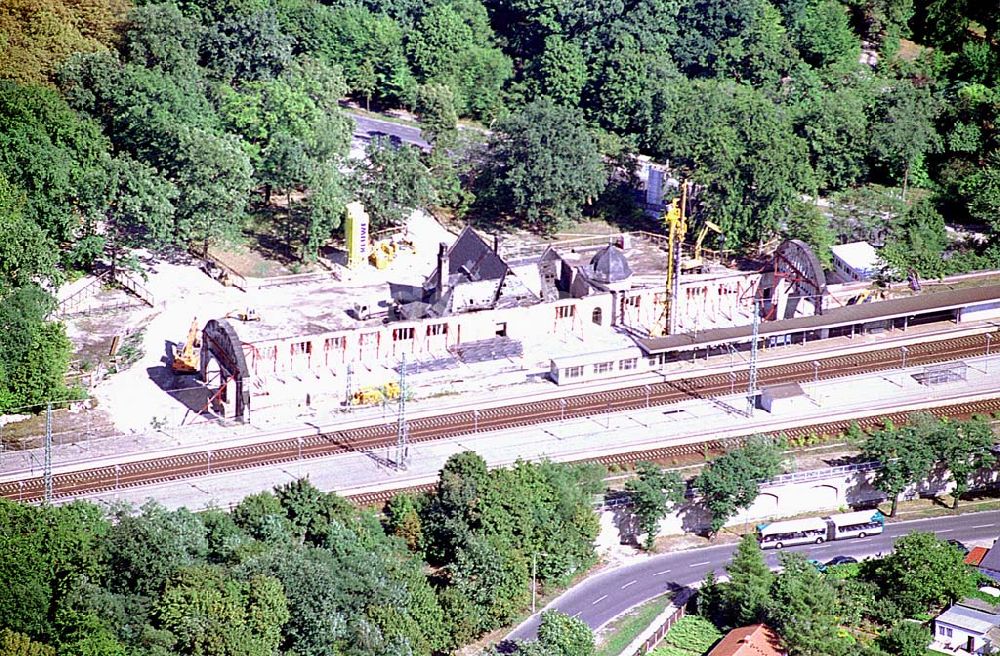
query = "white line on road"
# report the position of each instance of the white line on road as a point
(983, 526)
(598, 600)
(666, 571)
(947, 530)
(864, 540)
(628, 584)
(577, 613)
(699, 564)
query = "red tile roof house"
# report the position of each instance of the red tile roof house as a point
(753, 640)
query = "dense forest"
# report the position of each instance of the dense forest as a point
(297, 571)
(177, 124)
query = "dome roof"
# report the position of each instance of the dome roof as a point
(609, 265)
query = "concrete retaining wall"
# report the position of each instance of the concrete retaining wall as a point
(838, 492)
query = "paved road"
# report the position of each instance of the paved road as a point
(603, 597)
(367, 127)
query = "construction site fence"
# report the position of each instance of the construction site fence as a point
(654, 634)
(247, 284)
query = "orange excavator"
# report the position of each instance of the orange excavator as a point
(188, 360)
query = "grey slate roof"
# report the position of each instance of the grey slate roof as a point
(975, 621)
(609, 265)
(991, 561)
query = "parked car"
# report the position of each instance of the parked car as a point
(841, 560)
(958, 545)
(820, 567)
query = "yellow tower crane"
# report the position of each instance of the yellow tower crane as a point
(675, 220)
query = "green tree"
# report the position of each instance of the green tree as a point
(982, 188)
(403, 520)
(917, 240)
(27, 254)
(212, 175)
(824, 36)
(263, 518)
(921, 572)
(803, 610)
(562, 70)
(830, 123)
(240, 48)
(211, 614)
(543, 165)
(455, 511)
(742, 149)
(436, 108)
(143, 550)
(13, 643)
(808, 223)
(903, 129)
(906, 638)
(562, 635)
(50, 153)
(493, 580)
(905, 456)
(34, 353)
(748, 592)
(391, 182)
(731, 482)
(653, 493)
(965, 448)
(138, 207)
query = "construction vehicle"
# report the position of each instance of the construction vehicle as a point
(188, 360)
(375, 394)
(383, 252)
(249, 314)
(696, 262)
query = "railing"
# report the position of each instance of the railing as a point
(657, 630)
(73, 304)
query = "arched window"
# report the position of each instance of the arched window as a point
(596, 316)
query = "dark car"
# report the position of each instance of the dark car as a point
(841, 560)
(958, 545)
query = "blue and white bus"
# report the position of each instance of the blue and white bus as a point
(820, 529)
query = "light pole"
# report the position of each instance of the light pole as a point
(732, 382)
(816, 378)
(562, 406)
(209, 462)
(118, 471)
(475, 421)
(986, 365)
(904, 351)
(647, 389)
(298, 440)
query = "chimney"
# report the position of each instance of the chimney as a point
(496, 244)
(442, 272)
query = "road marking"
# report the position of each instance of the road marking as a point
(699, 564)
(628, 584)
(864, 540)
(983, 526)
(947, 530)
(666, 571)
(598, 600)
(577, 613)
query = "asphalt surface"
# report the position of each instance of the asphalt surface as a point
(367, 128)
(599, 599)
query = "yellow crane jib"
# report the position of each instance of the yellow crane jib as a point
(709, 226)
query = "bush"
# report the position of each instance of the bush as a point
(692, 634)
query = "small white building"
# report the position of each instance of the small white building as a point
(971, 626)
(855, 261)
(782, 398)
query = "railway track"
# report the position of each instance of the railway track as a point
(958, 410)
(212, 461)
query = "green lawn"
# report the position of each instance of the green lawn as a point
(691, 636)
(626, 629)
